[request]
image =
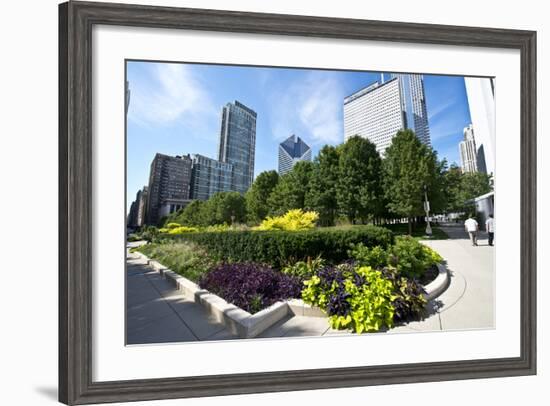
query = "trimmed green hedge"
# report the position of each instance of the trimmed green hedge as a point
(277, 248)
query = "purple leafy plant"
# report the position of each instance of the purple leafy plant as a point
(250, 286)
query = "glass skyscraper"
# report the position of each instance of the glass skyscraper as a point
(209, 177)
(292, 150)
(379, 110)
(238, 143)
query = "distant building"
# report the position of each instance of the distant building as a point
(209, 176)
(468, 151)
(169, 186)
(292, 150)
(481, 100)
(127, 96)
(378, 111)
(238, 143)
(136, 216)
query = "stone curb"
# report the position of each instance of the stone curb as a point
(235, 319)
(439, 284)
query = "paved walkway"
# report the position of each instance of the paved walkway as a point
(158, 313)
(468, 302)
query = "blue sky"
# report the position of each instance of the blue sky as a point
(175, 109)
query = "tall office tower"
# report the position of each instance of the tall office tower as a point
(379, 110)
(292, 150)
(468, 151)
(141, 206)
(209, 176)
(481, 100)
(169, 184)
(238, 143)
(137, 209)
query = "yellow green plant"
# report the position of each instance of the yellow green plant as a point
(182, 230)
(292, 220)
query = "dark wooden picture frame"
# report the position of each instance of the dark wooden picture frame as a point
(76, 20)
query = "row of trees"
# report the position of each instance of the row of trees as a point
(350, 181)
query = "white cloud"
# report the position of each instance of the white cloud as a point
(310, 108)
(441, 108)
(169, 93)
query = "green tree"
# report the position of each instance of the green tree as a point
(321, 195)
(225, 208)
(474, 184)
(290, 192)
(409, 167)
(192, 215)
(256, 197)
(453, 189)
(359, 188)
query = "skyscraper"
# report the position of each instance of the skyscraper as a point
(209, 176)
(292, 150)
(238, 143)
(379, 110)
(468, 151)
(169, 185)
(481, 100)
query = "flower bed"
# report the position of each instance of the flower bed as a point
(251, 287)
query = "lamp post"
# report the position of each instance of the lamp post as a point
(427, 210)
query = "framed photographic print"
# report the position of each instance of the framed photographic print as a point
(259, 202)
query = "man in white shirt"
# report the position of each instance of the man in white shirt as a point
(490, 228)
(471, 227)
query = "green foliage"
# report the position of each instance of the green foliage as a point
(359, 299)
(474, 184)
(277, 248)
(290, 192)
(225, 208)
(321, 195)
(182, 230)
(256, 197)
(408, 167)
(148, 233)
(184, 258)
(304, 269)
(193, 215)
(461, 187)
(375, 257)
(359, 173)
(411, 258)
(293, 220)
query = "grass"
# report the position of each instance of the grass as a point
(419, 232)
(184, 258)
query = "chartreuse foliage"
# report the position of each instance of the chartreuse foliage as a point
(356, 298)
(292, 220)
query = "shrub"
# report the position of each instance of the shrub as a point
(411, 258)
(250, 286)
(358, 298)
(304, 269)
(408, 256)
(375, 257)
(182, 230)
(184, 258)
(293, 220)
(277, 248)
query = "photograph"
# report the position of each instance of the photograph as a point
(269, 202)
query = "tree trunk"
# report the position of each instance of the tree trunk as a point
(410, 226)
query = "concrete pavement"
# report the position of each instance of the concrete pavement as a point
(468, 302)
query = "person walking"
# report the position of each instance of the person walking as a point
(490, 228)
(471, 227)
